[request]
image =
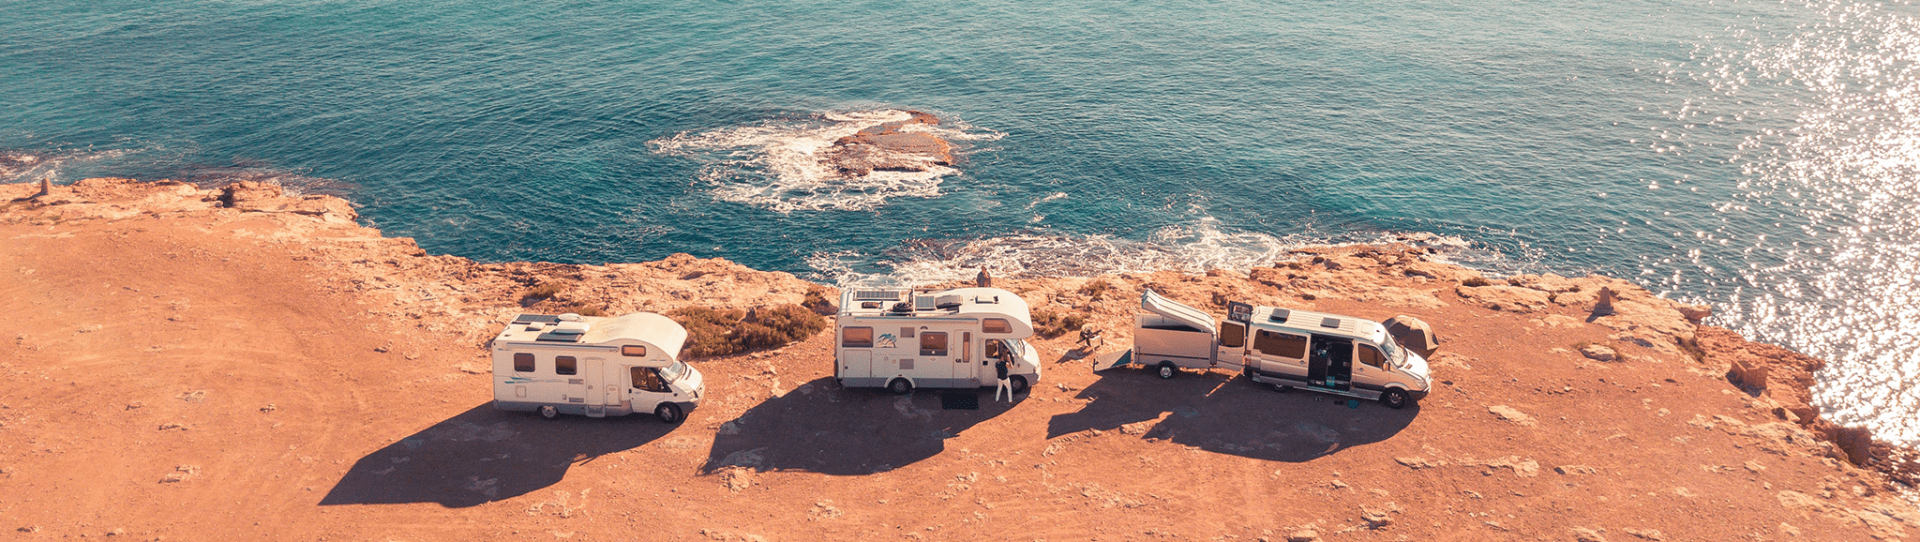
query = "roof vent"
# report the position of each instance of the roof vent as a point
(948, 302)
(1280, 315)
(566, 332)
(571, 317)
(1331, 323)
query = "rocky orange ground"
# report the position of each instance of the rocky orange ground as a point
(189, 364)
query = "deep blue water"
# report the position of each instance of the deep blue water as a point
(1761, 156)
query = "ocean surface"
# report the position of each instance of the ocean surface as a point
(1763, 157)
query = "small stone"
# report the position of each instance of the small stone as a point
(1599, 352)
(1303, 535)
(1583, 534)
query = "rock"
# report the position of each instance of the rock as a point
(1413, 334)
(1550, 283)
(1571, 470)
(1604, 304)
(1303, 535)
(1599, 352)
(1749, 374)
(1695, 313)
(1511, 415)
(1583, 534)
(1415, 463)
(886, 147)
(1375, 519)
(1505, 298)
(736, 479)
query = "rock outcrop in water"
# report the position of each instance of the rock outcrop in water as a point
(890, 147)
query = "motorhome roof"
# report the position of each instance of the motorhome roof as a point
(646, 327)
(934, 304)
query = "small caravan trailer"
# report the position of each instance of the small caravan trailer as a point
(1330, 353)
(594, 367)
(904, 339)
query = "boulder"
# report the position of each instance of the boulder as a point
(887, 147)
(1599, 352)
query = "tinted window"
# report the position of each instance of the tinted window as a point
(857, 337)
(1372, 356)
(993, 349)
(1233, 335)
(645, 378)
(634, 350)
(933, 343)
(566, 365)
(1280, 344)
(996, 325)
(523, 363)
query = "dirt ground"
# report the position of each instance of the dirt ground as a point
(195, 374)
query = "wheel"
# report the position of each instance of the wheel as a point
(547, 412)
(1167, 370)
(900, 386)
(1018, 383)
(1282, 388)
(1395, 399)
(667, 412)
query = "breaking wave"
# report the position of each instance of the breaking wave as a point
(1190, 249)
(778, 164)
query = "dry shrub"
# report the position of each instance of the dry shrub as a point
(1051, 324)
(1476, 281)
(1096, 289)
(718, 333)
(545, 290)
(817, 301)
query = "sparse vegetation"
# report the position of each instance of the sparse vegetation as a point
(713, 332)
(1475, 281)
(1050, 324)
(545, 290)
(817, 301)
(1096, 289)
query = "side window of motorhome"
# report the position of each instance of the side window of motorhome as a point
(857, 337)
(992, 351)
(1233, 334)
(1372, 356)
(1280, 344)
(523, 363)
(646, 378)
(995, 325)
(933, 343)
(634, 351)
(566, 365)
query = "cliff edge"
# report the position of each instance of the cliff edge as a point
(187, 360)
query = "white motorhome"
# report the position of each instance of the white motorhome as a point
(903, 339)
(1329, 353)
(594, 367)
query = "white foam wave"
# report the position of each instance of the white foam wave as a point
(33, 167)
(777, 164)
(1191, 249)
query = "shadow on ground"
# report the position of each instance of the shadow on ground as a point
(485, 455)
(1231, 415)
(821, 427)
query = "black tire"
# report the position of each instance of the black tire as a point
(1018, 383)
(668, 413)
(547, 412)
(900, 386)
(1396, 399)
(1166, 370)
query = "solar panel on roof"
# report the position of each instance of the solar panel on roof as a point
(535, 318)
(1330, 323)
(876, 295)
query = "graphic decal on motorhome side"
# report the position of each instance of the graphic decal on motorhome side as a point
(885, 341)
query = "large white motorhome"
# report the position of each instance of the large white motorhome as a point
(594, 367)
(903, 339)
(1280, 347)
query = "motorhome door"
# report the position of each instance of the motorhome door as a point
(1330, 363)
(936, 351)
(646, 388)
(1231, 351)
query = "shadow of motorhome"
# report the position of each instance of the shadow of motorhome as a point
(484, 455)
(1231, 415)
(824, 428)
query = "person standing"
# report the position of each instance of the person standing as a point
(1000, 368)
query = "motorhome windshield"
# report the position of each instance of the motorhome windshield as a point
(1395, 354)
(674, 372)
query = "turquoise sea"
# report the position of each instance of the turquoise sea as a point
(1763, 157)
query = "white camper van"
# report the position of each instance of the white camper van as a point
(905, 339)
(1330, 353)
(594, 367)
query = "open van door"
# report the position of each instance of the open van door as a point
(1231, 338)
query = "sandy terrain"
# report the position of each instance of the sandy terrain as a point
(184, 366)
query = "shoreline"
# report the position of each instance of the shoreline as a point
(439, 308)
